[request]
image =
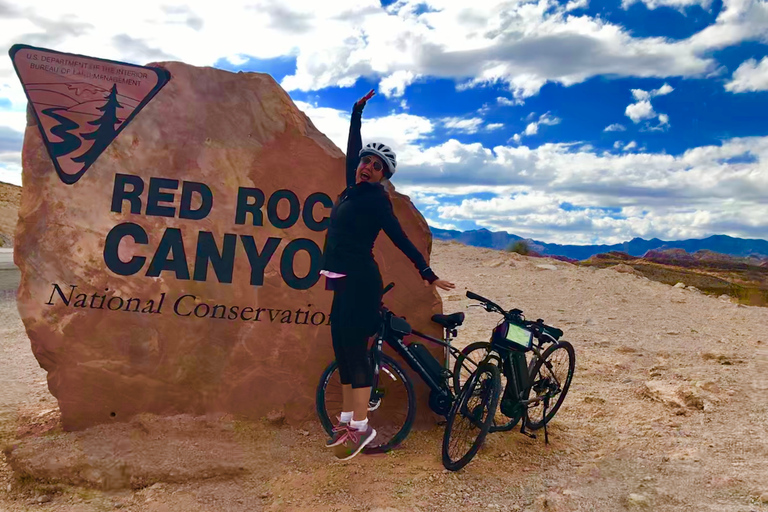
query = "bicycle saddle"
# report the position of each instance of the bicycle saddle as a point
(449, 321)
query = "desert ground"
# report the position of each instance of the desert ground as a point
(668, 411)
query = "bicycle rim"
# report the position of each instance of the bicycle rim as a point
(471, 356)
(391, 412)
(470, 417)
(551, 377)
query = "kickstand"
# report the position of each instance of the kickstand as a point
(546, 434)
(525, 432)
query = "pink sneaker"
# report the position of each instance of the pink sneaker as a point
(338, 433)
(353, 441)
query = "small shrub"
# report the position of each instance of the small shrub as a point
(520, 247)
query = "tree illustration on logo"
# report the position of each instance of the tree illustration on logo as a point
(105, 133)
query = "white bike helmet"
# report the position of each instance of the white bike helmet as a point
(385, 153)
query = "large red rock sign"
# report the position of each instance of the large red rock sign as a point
(179, 274)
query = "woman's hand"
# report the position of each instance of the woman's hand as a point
(362, 101)
(442, 284)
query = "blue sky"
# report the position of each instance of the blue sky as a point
(569, 122)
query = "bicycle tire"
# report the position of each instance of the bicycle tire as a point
(550, 380)
(483, 385)
(461, 372)
(390, 430)
(501, 422)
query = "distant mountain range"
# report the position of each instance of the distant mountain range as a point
(723, 244)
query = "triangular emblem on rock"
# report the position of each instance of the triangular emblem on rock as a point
(82, 103)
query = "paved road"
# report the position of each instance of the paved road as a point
(6, 259)
(9, 274)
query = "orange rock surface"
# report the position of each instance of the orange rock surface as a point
(227, 131)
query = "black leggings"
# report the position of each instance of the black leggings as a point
(354, 319)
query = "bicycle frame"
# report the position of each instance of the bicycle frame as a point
(394, 339)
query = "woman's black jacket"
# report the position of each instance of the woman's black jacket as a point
(360, 212)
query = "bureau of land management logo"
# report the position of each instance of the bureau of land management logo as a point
(82, 103)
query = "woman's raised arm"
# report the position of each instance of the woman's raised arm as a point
(355, 140)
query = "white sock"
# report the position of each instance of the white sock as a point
(346, 417)
(359, 425)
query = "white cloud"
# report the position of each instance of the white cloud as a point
(458, 124)
(676, 4)
(615, 196)
(395, 130)
(749, 77)
(506, 102)
(10, 167)
(548, 120)
(394, 85)
(442, 225)
(533, 127)
(663, 90)
(336, 43)
(494, 126)
(640, 111)
(641, 95)
(616, 127)
(576, 4)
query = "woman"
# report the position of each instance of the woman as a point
(361, 211)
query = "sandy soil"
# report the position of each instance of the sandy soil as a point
(668, 411)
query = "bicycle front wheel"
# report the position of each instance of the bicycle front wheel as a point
(471, 356)
(551, 377)
(471, 417)
(391, 410)
(466, 364)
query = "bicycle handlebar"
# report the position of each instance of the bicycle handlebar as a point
(474, 296)
(538, 327)
(387, 288)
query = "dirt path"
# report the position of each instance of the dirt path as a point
(668, 411)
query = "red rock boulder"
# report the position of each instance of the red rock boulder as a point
(179, 274)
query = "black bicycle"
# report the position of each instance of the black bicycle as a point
(534, 388)
(392, 406)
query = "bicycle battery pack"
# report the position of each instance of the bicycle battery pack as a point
(427, 360)
(510, 401)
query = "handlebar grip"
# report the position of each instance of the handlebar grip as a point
(474, 296)
(387, 288)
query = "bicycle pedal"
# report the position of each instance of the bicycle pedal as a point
(442, 423)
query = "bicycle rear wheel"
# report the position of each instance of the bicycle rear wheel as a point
(551, 377)
(391, 411)
(471, 417)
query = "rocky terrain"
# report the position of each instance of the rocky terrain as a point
(667, 412)
(10, 199)
(743, 278)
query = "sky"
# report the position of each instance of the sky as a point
(576, 122)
